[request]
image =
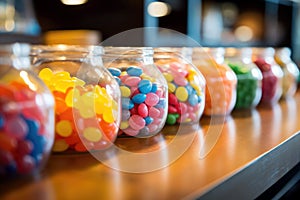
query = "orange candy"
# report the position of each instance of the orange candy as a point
(75, 113)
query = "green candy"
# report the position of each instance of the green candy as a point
(171, 118)
(246, 86)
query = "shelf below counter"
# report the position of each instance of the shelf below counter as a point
(239, 159)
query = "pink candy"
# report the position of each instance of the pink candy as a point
(136, 122)
(132, 81)
(151, 99)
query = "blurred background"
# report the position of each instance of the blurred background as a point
(273, 23)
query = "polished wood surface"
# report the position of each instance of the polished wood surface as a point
(250, 150)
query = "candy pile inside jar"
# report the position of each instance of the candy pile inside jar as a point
(248, 75)
(25, 140)
(85, 114)
(221, 81)
(290, 71)
(272, 74)
(185, 86)
(143, 101)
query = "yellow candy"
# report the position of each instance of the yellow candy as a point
(108, 115)
(46, 74)
(146, 77)
(124, 125)
(77, 81)
(181, 94)
(171, 87)
(123, 73)
(72, 98)
(63, 85)
(86, 111)
(63, 128)
(168, 77)
(88, 98)
(197, 88)
(125, 91)
(60, 145)
(115, 109)
(92, 134)
(61, 76)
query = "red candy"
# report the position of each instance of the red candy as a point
(24, 135)
(143, 110)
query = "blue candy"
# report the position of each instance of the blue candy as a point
(139, 98)
(134, 71)
(1, 121)
(145, 86)
(118, 80)
(193, 99)
(148, 120)
(189, 89)
(154, 87)
(38, 141)
(126, 103)
(125, 114)
(161, 104)
(114, 71)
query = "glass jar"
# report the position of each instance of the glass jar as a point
(249, 77)
(26, 114)
(186, 85)
(290, 71)
(221, 81)
(272, 74)
(143, 90)
(87, 97)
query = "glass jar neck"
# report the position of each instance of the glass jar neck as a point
(183, 53)
(238, 54)
(283, 54)
(44, 53)
(131, 54)
(263, 52)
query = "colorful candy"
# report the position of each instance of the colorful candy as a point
(290, 71)
(143, 100)
(86, 115)
(272, 75)
(248, 77)
(185, 87)
(248, 86)
(26, 133)
(221, 81)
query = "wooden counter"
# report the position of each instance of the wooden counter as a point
(240, 158)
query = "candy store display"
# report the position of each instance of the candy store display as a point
(87, 97)
(248, 75)
(186, 85)
(290, 71)
(272, 74)
(221, 81)
(26, 115)
(143, 89)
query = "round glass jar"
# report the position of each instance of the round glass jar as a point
(272, 74)
(221, 81)
(249, 77)
(143, 89)
(186, 85)
(87, 97)
(26, 114)
(290, 71)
